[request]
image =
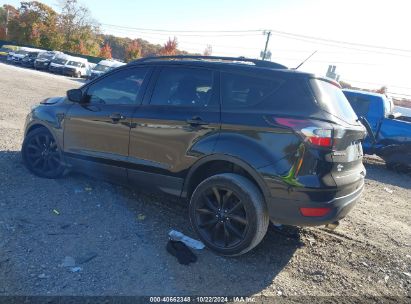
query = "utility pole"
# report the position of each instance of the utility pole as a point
(268, 33)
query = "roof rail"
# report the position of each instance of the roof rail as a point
(256, 62)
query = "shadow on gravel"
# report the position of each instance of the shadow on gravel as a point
(377, 171)
(125, 230)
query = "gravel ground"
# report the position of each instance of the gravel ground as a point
(80, 236)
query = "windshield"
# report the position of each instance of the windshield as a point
(61, 61)
(332, 100)
(21, 53)
(46, 55)
(74, 63)
(101, 68)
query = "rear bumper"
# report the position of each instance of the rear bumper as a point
(287, 212)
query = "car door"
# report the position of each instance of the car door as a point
(96, 132)
(177, 124)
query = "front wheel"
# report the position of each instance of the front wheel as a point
(229, 214)
(41, 154)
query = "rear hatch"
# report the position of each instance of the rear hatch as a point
(348, 133)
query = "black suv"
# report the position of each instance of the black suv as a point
(244, 141)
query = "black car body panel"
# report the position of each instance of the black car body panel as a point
(163, 147)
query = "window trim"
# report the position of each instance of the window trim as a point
(156, 76)
(143, 89)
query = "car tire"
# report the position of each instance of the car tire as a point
(42, 155)
(229, 214)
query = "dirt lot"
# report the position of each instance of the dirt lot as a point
(117, 236)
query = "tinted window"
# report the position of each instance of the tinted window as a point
(359, 104)
(189, 87)
(246, 91)
(332, 100)
(119, 88)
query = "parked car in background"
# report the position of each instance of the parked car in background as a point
(389, 133)
(11, 54)
(244, 141)
(6, 49)
(104, 66)
(77, 67)
(22, 53)
(58, 63)
(42, 61)
(18, 56)
(28, 60)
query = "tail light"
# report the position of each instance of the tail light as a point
(317, 133)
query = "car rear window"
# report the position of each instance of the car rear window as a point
(277, 94)
(332, 100)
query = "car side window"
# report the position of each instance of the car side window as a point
(187, 87)
(244, 90)
(359, 104)
(120, 88)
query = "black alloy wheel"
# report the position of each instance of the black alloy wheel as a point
(41, 154)
(221, 217)
(229, 214)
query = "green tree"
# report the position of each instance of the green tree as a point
(81, 33)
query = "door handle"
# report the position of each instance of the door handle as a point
(116, 117)
(196, 121)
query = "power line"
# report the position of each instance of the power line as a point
(342, 46)
(259, 30)
(186, 35)
(342, 42)
(181, 31)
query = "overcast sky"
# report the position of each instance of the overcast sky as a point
(380, 23)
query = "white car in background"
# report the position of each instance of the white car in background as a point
(104, 66)
(77, 67)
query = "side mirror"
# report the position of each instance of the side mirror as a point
(75, 95)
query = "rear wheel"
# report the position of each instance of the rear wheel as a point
(41, 154)
(228, 213)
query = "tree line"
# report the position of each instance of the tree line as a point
(74, 30)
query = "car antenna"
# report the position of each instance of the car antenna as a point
(306, 60)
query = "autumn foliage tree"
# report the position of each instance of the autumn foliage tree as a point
(34, 23)
(133, 51)
(105, 51)
(170, 47)
(73, 30)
